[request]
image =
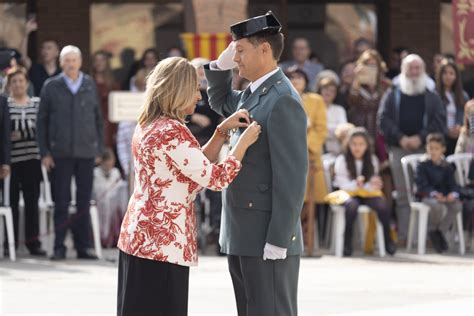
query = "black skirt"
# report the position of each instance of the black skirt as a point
(151, 288)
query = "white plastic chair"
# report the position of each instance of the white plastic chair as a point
(339, 223)
(462, 162)
(410, 162)
(47, 207)
(6, 212)
(339, 217)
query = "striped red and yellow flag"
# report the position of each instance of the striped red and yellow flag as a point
(205, 45)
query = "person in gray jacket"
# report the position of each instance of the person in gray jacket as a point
(407, 114)
(69, 128)
(260, 225)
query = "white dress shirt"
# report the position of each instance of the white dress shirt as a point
(257, 83)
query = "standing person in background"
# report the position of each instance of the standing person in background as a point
(150, 58)
(204, 120)
(408, 113)
(5, 147)
(202, 124)
(364, 96)
(336, 115)
(5, 139)
(70, 140)
(301, 52)
(105, 82)
(347, 75)
(315, 109)
(438, 59)
(449, 88)
(126, 129)
(395, 61)
(25, 158)
(48, 66)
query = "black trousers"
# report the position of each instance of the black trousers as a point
(265, 288)
(26, 178)
(83, 172)
(151, 288)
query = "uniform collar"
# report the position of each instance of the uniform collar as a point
(257, 83)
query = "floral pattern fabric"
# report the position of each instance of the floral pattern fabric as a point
(170, 169)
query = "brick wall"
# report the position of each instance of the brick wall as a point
(416, 25)
(67, 22)
(411, 23)
(217, 15)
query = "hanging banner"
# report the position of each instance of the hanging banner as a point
(463, 26)
(205, 45)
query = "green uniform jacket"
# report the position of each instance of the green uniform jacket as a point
(263, 204)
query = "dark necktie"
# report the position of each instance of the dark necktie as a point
(246, 94)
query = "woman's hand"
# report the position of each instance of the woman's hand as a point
(376, 183)
(360, 180)
(250, 135)
(241, 118)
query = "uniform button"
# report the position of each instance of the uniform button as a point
(293, 238)
(250, 204)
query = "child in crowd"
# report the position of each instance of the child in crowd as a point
(110, 194)
(356, 172)
(437, 188)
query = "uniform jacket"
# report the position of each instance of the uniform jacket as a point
(264, 203)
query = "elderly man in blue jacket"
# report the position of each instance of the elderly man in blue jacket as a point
(69, 128)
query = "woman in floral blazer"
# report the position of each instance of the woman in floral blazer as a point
(158, 239)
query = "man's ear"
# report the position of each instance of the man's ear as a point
(266, 48)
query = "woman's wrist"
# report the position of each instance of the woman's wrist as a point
(222, 131)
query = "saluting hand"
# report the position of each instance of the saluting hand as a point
(226, 58)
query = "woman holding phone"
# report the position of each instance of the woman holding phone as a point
(367, 89)
(363, 100)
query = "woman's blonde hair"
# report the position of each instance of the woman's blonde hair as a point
(170, 89)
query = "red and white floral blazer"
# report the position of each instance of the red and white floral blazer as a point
(170, 169)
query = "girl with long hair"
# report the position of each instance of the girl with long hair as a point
(356, 172)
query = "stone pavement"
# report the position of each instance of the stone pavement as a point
(406, 284)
